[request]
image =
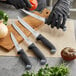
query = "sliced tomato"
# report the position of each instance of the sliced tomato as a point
(34, 4)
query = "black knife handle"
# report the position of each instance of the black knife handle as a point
(25, 59)
(47, 43)
(38, 53)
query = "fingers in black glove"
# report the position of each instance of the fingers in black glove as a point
(49, 19)
(59, 20)
(59, 14)
(64, 22)
(53, 21)
(20, 3)
(28, 4)
(63, 15)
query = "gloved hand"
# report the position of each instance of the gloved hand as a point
(41, 5)
(59, 14)
(20, 3)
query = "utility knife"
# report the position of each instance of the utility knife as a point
(21, 53)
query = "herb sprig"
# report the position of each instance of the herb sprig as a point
(61, 70)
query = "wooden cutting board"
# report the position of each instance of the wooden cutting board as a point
(7, 43)
(59, 38)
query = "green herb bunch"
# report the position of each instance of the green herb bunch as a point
(3, 17)
(61, 70)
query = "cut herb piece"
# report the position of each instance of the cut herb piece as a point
(61, 70)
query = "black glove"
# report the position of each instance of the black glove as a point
(41, 5)
(59, 14)
(20, 3)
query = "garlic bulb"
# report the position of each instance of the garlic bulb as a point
(3, 30)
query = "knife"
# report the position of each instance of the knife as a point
(40, 18)
(38, 36)
(31, 45)
(21, 52)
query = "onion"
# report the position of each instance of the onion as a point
(68, 54)
(3, 30)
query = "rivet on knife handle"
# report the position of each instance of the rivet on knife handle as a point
(47, 43)
(38, 53)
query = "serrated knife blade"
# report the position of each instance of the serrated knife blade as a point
(36, 34)
(15, 42)
(34, 15)
(22, 34)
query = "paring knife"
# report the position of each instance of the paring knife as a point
(21, 52)
(38, 36)
(31, 45)
(40, 18)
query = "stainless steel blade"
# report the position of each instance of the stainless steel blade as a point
(15, 42)
(27, 26)
(22, 34)
(34, 15)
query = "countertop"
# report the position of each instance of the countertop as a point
(11, 66)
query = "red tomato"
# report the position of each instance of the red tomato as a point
(34, 4)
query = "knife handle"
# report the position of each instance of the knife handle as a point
(38, 53)
(47, 43)
(25, 59)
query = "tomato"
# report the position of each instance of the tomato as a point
(34, 4)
